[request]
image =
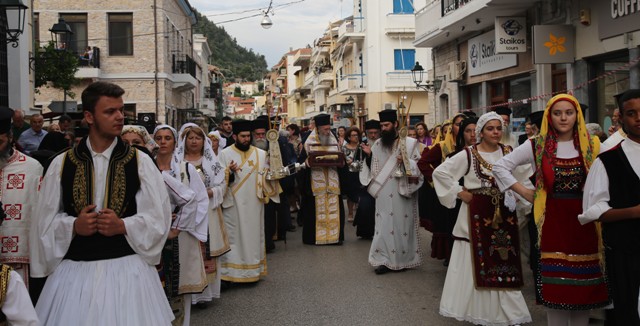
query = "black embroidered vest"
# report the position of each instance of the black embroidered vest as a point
(624, 191)
(122, 185)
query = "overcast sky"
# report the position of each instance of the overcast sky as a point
(294, 24)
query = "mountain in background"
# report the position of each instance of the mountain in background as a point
(235, 61)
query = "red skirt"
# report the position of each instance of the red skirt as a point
(569, 276)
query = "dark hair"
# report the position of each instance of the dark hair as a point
(226, 118)
(424, 125)
(626, 96)
(295, 128)
(64, 118)
(460, 144)
(351, 130)
(92, 94)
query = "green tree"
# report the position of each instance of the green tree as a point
(56, 68)
(237, 92)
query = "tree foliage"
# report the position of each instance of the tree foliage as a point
(235, 61)
(56, 68)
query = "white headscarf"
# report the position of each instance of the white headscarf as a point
(211, 168)
(142, 132)
(483, 121)
(222, 142)
(175, 163)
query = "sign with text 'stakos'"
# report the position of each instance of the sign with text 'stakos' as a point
(511, 34)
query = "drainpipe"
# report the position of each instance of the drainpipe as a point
(155, 74)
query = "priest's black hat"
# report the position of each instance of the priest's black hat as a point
(503, 110)
(261, 122)
(5, 119)
(371, 124)
(322, 120)
(388, 115)
(241, 125)
(536, 118)
(618, 97)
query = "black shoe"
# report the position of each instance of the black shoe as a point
(225, 285)
(445, 263)
(201, 305)
(382, 270)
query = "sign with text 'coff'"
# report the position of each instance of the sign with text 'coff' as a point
(511, 35)
(482, 57)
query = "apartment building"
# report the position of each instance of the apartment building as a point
(145, 46)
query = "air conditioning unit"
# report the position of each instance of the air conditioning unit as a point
(457, 70)
(389, 106)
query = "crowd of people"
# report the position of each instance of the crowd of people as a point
(134, 226)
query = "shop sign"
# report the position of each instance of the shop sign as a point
(511, 34)
(554, 44)
(616, 17)
(483, 58)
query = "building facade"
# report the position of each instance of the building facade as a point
(144, 46)
(597, 57)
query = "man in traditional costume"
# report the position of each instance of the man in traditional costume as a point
(103, 218)
(395, 242)
(19, 182)
(243, 207)
(321, 207)
(612, 196)
(365, 218)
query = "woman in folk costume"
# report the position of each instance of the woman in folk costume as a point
(484, 274)
(570, 278)
(182, 267)
(137, 135)
(194, 147)
(433, 216)
(217, 141)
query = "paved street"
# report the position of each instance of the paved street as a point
(334, 285)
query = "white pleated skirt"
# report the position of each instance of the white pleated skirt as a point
(120, 291)
(461, 300)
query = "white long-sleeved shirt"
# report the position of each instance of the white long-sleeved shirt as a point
(147, 230)
(595, 200)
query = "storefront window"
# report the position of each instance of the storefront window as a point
(519, 89)
(613, 83)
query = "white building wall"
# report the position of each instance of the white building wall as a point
(20, 76)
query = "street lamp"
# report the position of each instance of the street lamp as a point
(266, 22)
(417, 74)
(60, 33)
(14, 28)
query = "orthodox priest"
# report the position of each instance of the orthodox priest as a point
(19, 182)
(243, 207)
(321, 207)
(395, 180)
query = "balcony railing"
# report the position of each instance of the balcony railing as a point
(399, 79)
(91, 60)
(449, 6)
(183, 64)
(351, 82)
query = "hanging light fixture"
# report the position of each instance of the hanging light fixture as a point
(16, 11)
(266, 22)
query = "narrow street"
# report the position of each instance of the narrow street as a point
(334, 285)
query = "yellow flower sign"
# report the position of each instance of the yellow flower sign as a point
(553, 44)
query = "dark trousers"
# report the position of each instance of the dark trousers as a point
(623, 273)
(277, 218)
